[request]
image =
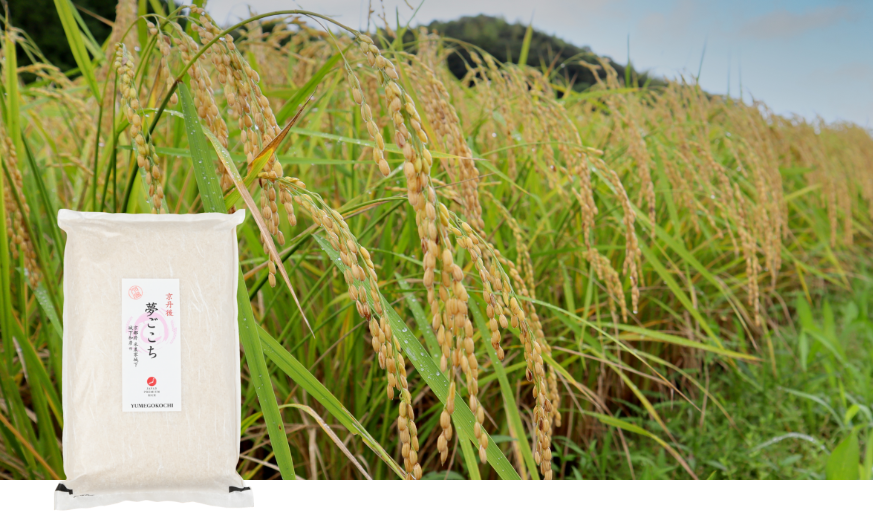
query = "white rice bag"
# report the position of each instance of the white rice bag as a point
(151, 382)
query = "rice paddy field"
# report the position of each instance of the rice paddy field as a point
(497, 276)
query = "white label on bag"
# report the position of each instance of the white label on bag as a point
(151, 355)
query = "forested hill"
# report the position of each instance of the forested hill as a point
(504, 41)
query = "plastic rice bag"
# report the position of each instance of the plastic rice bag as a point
(151, 360)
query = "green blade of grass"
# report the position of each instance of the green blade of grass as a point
(91, 43)
(689, 259)
(29, 447)
(77, 44)
(44, 399)
(566, 316)
(42, 297)
(843, 461)
(525, 45)
(308, 88)
(606, 357)
(679, 293)
(301, 375)
(837, 418)
(629, 427)
(868, 458)
(652, 335)
(47, 203)
(158, 8)
(421, 319)
(615, 422)
(470, 456)
(37, 370)
(202, 156)
(330, 433)
(142, 30)
(13, 114)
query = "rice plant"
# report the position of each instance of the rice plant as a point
(527, 263)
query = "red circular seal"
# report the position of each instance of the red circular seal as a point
(152, 381)
(134, 292)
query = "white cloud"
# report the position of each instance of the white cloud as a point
(784, 24)
(684, 17)
(855, 71)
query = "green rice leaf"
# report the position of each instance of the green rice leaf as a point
(843, 461)
(77, 44)
(13, 114)
(301, 375)
(525, 45)
(308, 88)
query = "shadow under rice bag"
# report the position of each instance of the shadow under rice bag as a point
(151, 360)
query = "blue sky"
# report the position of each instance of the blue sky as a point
(805, 57)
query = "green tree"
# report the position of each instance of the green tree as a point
(504, 41)
(39, 19)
